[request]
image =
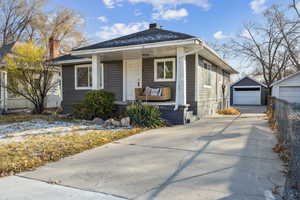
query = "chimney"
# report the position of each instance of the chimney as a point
(53, 48)
(154, 25)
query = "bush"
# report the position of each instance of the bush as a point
(229, 111)
(95, 104)
(144, 116)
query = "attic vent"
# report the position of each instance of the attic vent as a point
(154, 25)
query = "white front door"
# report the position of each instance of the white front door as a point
(132, 77)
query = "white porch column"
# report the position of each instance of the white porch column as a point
(96, 67)
(181, 78)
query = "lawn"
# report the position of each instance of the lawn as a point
(35, 151)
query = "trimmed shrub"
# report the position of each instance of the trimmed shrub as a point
(229, 111)
(146, 116)
(95, 104)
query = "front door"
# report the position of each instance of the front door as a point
(133, 77)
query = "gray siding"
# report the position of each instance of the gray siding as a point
(113, 78)
(113, 82)
(211, 98)
(148, 77)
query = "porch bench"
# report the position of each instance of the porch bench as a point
(165, 96)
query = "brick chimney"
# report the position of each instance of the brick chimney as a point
(53, 48)
(154, 25)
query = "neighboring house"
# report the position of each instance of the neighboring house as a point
(248, 91)
(288, 88)
(199, 80)
(9, 101)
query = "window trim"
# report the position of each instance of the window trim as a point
(209, 68)
(82, 66)
(164, 79)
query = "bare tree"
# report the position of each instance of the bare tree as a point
(263, 47)
(64, 25)
(15, 15)
(294, 5)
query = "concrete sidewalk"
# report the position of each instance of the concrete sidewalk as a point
(225, 158)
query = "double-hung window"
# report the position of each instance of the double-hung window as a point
(83, 77)
(164, 69)
(207, 74)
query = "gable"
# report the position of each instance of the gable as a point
(247, 82)
(293, 80)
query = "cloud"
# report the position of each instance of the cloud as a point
(102, 19)
(120, 29)
(112, 3)
(258, 6)
(219, 35)
(245, 34)
(170, 14)
(159, 4)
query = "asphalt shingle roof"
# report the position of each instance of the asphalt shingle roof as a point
(151, 35)
(66, 57)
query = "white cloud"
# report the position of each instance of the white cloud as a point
(245, 34)
(258, 6)
(170, 14)
(120, 29)
(220, 35)
(159, 4)
(102, 19)
(112, 3)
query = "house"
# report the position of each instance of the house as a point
(197, 78)
(248, 91)
(9, 101)
(288, 88)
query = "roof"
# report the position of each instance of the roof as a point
(4, 50)
(250, 79)
(70, 59)
(151, 35)
(288, 77)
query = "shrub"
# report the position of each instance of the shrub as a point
(144, 116)
(95, 104)
(229, 111)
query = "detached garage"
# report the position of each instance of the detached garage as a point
(288, 88)
(248, 91)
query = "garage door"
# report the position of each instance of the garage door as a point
(290, 94)
(246, 96)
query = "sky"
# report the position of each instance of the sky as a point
(210, 20)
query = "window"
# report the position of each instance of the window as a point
(207, 74)
(83, 77)
(164, 69)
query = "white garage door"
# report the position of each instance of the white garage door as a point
(290, 94)
(246, 97)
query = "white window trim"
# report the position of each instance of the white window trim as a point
(82, 88)
(204, 70)
(164, 79)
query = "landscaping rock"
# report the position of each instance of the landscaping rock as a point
(98, 121)
(125, 122)
(116, 123)
(108, 123)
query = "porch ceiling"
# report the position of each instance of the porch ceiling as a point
(144, 53)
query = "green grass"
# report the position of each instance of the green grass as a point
(36, 151)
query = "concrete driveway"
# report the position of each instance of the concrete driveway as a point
(225, 158)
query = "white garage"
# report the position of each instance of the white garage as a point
(248, 91)
(247, 96)
(288, 88)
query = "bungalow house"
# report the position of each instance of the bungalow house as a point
(194, 80)
(9, 101)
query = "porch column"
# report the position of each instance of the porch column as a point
(96, 66)
(181, 78)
